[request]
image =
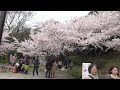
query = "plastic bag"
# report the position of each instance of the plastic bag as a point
(45, 70)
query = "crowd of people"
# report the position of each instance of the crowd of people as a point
(113, 73)
(52, 65)
(22, 65)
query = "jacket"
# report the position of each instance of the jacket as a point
(36, 62)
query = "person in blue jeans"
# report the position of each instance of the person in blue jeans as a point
(48, 68)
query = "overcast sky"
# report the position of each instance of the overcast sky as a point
(60, 16)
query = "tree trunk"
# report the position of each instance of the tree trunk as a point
(2, 20)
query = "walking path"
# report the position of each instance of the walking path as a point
(29, 76)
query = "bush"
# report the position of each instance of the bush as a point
(76, 72)
(3, 59)
(77, 60)
(12, 52)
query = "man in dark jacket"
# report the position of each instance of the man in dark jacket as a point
(36, 63)
(48, 68)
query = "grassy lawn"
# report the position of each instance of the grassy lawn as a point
(76, 72)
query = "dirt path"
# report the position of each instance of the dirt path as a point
(29, 76)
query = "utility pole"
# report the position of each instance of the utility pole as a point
(2, 20)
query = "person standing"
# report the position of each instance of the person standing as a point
(10, 59)
(53, 69)
(36, 63)
(27, 61)
(48, 68)
(14, 58)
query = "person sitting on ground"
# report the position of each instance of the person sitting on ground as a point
(14, 69)
(22, 68)
(17, 68)
(26, 69)
(21, 61)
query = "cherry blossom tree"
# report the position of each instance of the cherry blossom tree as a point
(15, 20)
(85, 33)
(5, 45)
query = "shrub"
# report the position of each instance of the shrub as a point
(76, 72)
(77, 60)
(3, 59)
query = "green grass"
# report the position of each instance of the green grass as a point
(42, 68)
(3, 60)
(76, 59)
(76, 72)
